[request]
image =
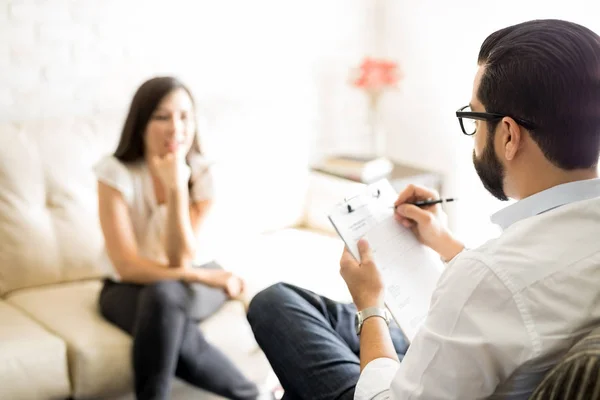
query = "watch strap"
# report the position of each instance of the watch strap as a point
(369, 312)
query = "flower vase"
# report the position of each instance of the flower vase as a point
(376, 131)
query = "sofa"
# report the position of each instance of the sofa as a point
(54, 344)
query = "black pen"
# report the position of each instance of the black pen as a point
(431, 202)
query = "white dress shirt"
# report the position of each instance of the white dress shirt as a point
(503, 314)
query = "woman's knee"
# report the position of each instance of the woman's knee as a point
(167, 294)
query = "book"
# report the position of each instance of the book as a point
(410, 270)
(358, 168)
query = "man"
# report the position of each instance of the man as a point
(503, 314)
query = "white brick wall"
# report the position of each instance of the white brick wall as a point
(4, 54)
(31, 10)
(65, 57)
(6, 99)
(18, 33)
(3, 14)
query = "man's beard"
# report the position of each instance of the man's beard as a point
(490, 170)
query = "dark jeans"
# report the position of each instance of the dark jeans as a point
(162, 318)
(311, 342)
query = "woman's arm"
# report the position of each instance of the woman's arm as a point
(183, 222)
(123, 251)
(198, 212)
(183, 219)
(121, 244)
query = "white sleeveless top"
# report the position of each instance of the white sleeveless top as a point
(148, 218)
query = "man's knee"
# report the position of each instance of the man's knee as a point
(266, 304)
(167, 294)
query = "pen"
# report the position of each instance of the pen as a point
(431, 202)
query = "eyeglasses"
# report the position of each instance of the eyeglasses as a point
(466, 118)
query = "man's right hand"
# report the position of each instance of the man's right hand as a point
(427, 223)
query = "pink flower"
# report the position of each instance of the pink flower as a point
(375, 75)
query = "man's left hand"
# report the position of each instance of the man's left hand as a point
(363, 279)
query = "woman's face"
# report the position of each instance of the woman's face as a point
(171, 127)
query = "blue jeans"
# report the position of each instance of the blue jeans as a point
(311, 342)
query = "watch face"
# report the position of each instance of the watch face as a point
(357, 322)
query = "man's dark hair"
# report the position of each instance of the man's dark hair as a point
(547, 72)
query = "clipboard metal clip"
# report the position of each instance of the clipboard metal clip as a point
(347, 200)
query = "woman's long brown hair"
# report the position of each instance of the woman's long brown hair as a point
(146, 99)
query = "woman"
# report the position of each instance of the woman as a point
(154, 193)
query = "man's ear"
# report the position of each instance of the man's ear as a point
(512, 136)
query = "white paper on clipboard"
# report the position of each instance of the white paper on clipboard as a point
(410, 269)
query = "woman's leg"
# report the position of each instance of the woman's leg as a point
(201, 363)
(156, 316)
(157, 336)
(168, 342)
(118, 303)
(207, 300)
(205, 366)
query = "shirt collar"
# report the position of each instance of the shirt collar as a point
(547, 200)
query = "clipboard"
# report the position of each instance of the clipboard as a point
(410, 270)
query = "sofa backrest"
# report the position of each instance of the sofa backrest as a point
(49, 229)
(577, 375)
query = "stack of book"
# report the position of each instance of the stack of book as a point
(363, 169)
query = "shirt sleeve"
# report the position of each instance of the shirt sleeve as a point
(202, 182)
(375, 380)
(473, 338)
(112, 172)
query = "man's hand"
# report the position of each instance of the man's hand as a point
(363, 279)
(427, 223)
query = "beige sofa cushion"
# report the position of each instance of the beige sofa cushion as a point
(99, 353)
(33, 362)
(229, 330)
(49, 229)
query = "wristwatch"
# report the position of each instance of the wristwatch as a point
(369, 312)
